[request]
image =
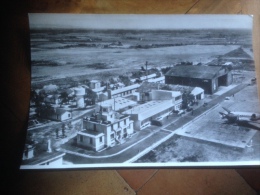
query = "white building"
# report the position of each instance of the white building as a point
(174, 96)
(105, 129)
(143, 114)
(198, 93)
(123, 92)
(162, 104)
(117, 103)
(95, 84)
(157, 80)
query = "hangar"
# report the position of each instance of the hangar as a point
(208, 78)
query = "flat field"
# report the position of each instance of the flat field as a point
(64, 53)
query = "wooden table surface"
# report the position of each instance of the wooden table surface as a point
(15, 64)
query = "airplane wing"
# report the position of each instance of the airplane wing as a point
(223, 115)
(229, 111)
(254, 124)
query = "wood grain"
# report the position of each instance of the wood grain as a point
(112, 6)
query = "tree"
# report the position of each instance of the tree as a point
(64, 96)
(165, 70)
(187, 98)
(91, 95)
(125, 79)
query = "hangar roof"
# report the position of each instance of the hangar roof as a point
(200, 72)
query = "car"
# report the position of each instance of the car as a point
(227, 98)
(181, 112)
(159, 118)
(174, 112)
(189, 109)
(156, 123)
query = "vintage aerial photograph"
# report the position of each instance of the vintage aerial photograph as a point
(142, 91)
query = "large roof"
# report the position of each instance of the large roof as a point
(200, 72)
(123, 89)
(117, 103)
(148, 87)
(150, 108)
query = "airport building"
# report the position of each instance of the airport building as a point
(209, 78)
(105, 129)
(123, 92)
(118, 103)
(163, 103)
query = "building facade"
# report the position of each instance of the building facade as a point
(161, 105)
(209, 78)
(123, 92)
(105, 129)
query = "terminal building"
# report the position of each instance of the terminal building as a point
(105, 129)
(209, 78)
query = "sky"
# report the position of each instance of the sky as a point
(138, 21)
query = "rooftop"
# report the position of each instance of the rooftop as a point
(148, 76)
(150, 108)
(197, 90)
(90, 133)
(200, 72)
(117, 103)
(130, 87)
(99, 120)
(147, 87)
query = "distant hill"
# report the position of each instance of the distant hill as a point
(238, 53)
(239, 59)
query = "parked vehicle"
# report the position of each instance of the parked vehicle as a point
(181, 112)
(156, 123)
(189, 109)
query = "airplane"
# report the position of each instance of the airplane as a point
(248, 119)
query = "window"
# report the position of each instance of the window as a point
(112, 136)
(81, 138)
(68, 114)
(101, 139)
(90, 141)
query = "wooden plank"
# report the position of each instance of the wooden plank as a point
(112, 6)
(195, 181)
(216, 7)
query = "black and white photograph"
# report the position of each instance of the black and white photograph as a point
(132, 90)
